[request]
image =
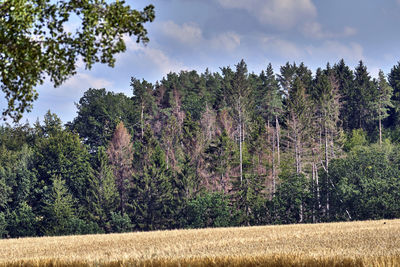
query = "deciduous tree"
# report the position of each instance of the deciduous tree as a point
(37, 41)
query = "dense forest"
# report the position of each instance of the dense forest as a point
(193, 150)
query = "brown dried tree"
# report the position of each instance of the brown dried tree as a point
(120, 153)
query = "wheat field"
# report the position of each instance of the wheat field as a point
(370, 243)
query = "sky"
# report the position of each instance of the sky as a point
(199, 34)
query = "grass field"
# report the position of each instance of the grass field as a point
(371, 243)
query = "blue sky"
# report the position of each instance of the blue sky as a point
(196, 34)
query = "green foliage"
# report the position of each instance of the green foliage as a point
(22, 221)
(78, 226)
(394, 82)
(289, 204)
(219, 157)
(62, 154)
(208, 209)
(156, 194)
(120, 223)
(367, 183)
(268, 97)
(59, 209)
(358, 137)
(345, 78)
(99, 112)
(383, 98)
(103, 196)
(38, 43)
(5, 189)
(207, 150)
(3, 225)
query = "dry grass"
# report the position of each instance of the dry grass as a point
(372, 243)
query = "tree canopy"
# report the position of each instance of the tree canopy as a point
(37, 40)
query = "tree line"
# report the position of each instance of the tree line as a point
(193, 150)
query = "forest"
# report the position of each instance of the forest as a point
(196, 150)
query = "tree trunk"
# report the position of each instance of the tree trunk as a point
(326, 148)
(240, 143)
(380, 131)
(277, 140)
(141, 120)
(273, 165)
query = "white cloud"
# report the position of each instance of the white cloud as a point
(284, 48)
(151, 58)
(188, 33)
(281, 13)
(350, 31)
(191, 34)
(314, 30)
(333, 51)
(85, 81)
(228, 41)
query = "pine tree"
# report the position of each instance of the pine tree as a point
(62, 153)
(298, 120)
(383, 101)
(219, 159)
(271, 105)
(345, 79)
(103, 196)
(143, 100)
(155, 195)
(394, 82)
(239, 99)
(363, 96)
(58, 209)
(120, 153)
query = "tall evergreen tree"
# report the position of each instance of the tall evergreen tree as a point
(383, 101)
(59, 209)
(239, 99)
(394, 82)
(298, 120)
(155, 195)
(143, 100)
(103, 197)
(363, 98)
(63, 154)
(345, 77)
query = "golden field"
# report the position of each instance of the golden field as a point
(370, 243)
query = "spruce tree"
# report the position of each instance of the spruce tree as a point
(345, 78)
(103, 197)
(59, 209)
(120, 154)
(155, 194)
(394, 82)
(382, 101)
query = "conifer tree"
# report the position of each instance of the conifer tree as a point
(103, 195)
(298, 120)
(155, 194)
(345, 78)
(143, 99)
(383, 101)
(239, 99)
(363, 98)
(271, 105)
(120, 153)
(394, 82)
(58, 209)
(61, 153)
(219, 159)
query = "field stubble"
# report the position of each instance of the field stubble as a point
(370, 243)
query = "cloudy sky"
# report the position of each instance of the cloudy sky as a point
(196, 34)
